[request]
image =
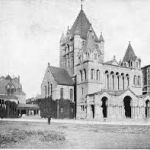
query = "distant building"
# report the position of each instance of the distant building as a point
(11, 94)
(146, 79)
(12, 87)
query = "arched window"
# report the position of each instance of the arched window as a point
(51, 89)
(48, 88)
(139, 80)
(113, 81)
(97, 75)
(118, 81)
(84, 74)
(92, 74)
(134, 80)
(81, 75)
(127, 80)
(45, 91)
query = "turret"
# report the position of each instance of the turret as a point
(101, 45)
(130, 59)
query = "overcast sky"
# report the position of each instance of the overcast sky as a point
(30, 31)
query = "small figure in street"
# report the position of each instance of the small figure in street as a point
(49, 119)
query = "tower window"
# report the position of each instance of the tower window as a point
(92, 74)
(61, 93)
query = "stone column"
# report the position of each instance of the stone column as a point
(125, 82)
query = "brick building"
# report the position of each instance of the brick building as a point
(146, 79)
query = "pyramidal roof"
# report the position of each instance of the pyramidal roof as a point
(129, 55)
(81, 26)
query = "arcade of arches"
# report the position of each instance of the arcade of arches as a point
(106, 106)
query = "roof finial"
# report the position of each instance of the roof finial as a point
(81, 4)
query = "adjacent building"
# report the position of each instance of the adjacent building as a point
(57, 83)
(146, 79)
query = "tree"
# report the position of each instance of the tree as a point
(47, 107)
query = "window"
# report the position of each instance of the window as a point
(51, 89)
(128, 80)
(118, 82)
(113, 81)
(97, 75)
(48, 88)
(92, 74)
(81, 75)
(84, 74)
(139, 80)
(45, 90)
(61, 92)
(134, 80)
(71, 94)
(107, 81)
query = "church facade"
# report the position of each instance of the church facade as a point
(109, 89)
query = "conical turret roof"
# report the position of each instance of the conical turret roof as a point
(129, 55)
(81, 26)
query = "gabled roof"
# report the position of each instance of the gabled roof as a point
(81, 26)
(61, 76)
(112, 62)
(101, 39)
(129, 55)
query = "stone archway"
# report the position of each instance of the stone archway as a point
(104, 107)
(127, 106)
(147, 109)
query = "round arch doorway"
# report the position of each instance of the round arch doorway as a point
(104, 107)
(127, 106)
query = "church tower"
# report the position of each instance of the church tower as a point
(79, 44)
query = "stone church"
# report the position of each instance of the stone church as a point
(111, 89)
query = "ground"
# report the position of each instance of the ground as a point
(62, 135)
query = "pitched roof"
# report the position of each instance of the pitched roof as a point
(112, 62)
(101, 39)
(61, 76)
(81, 26)
(129, 55)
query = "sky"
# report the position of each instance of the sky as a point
(30, 32)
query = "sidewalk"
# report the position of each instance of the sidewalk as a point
(73, 121)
